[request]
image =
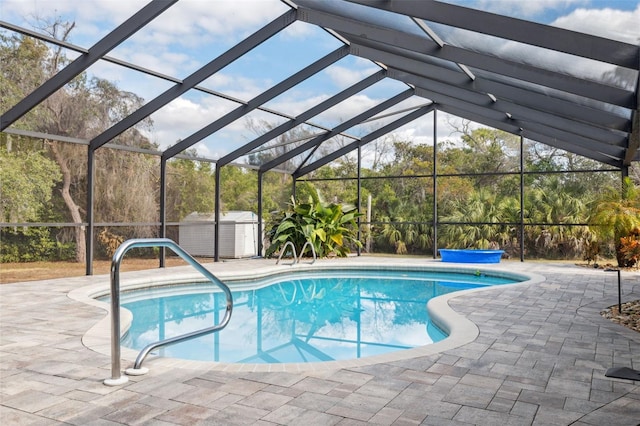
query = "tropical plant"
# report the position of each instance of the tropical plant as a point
(630, 248)
(617, 215)
(331, 228)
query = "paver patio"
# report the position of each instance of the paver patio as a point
(539, 359)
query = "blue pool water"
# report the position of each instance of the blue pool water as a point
(303, 317)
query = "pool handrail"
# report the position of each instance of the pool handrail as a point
(296, 258)
(284, 249)
(313, 251)
(116, 376)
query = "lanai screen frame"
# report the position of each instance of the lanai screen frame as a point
(501, 93)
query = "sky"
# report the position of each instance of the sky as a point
(193, 32)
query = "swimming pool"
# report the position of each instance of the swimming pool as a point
(300, 317)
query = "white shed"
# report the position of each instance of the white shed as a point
(238, 234)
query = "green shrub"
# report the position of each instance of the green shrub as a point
(330, 227)
(21, 244)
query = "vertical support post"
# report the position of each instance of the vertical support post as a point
(163, 208)
(216, 225)
(260, 174)
(293, 187)
(435, 184)
(90, 202)
(359, 196)
(619, 294)
(521, 198)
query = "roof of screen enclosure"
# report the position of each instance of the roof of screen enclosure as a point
(445, 55)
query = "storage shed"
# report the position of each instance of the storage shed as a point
(238, 234)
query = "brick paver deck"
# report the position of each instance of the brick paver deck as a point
(539, 359)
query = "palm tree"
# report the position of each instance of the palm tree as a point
(617, 215)
(405, 229)
(482, 207)
(553, 205)
(391, 235)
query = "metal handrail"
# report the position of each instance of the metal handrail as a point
(293, 249)
(116, 377)
(313, 251)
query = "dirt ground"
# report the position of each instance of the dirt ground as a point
(33, 271)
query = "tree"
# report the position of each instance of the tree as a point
(570, 167)
(82, 109)
(278, 146)
(240, 189)
(550, 202)
(404, 205)
(22, 71)
(128, 181)
(27, 180)
(615, 215)
(410, 160)
(482, 208)
(482, 150)
(26, 184)
(336, 181)
(277, 188)
(190, 188)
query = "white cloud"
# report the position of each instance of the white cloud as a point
(188, 33)
(188, 18)
(93, 19)
(237, 86)
(166, 62)
(420, 131)
(298, 31)
(202, 27)
(348, 108)
(294, 104)
(204, 151)
(146, 87)
(577, 15)
(615, 24)
(344, 77)
(182, 117)
(225, 17)
(526, 9)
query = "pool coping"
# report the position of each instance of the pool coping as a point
(460, 329)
